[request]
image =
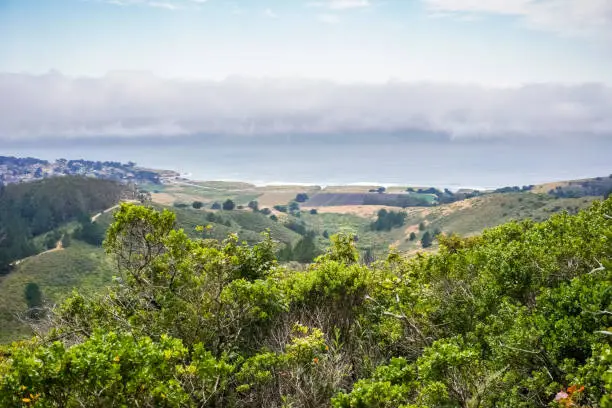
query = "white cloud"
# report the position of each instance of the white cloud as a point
(568, 17)
(341, 4)
(328, 18)
(139, 104)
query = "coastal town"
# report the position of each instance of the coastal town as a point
(20, 170)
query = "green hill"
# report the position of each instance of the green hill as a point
(84, 266)
(29, 210)
(516, 317)
(79, 266)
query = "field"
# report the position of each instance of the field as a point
(208, 192)
(389, 199)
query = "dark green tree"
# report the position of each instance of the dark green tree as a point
(253, 205)
(197, 205)
(34, 299)
(426, 240)
(228, 205)
(301, 197)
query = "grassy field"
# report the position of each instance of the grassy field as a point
(79, 266)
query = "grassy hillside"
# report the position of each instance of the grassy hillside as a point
(29, 210)
(79, 266)
(85, 266)
(468, 217)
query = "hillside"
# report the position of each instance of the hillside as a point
(516, 317)
(30, 210)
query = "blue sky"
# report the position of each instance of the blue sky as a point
(503, 42)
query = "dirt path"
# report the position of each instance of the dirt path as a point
(59, 246)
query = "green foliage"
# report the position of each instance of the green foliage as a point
(426, 239)
(31, 209)
(90, 232)
(517, 317)
(34, 299)
(301, 197)
(197, 205)
(387, 220)
(228, 205)
(253, 205)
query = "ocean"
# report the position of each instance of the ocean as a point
(332, 161)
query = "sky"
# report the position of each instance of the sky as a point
(466, 68)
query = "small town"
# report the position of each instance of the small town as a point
(20, 170)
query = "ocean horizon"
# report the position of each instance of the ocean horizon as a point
(382, 162)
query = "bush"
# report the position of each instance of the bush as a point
(301, 197)
(228, 205)
(197, 205)
(215, 206)
(253, 205)
(313, 211)
(426, 240)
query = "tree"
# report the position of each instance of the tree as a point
(325, 234)
(293, 206)
(301, 197)
(266, 211)
(34, 300)
(253, 205)
(215, 206)
(413, 236)
(426, 240)
(228, 205)
(197, 205)
(280, 208)
(313, 211)
(422, 226)
(273, 217)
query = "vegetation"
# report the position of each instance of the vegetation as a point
(427, 239)
(228, 205)
(197, 205)
(517, 317)
(301, 198)
(387, 220)
(31, 209)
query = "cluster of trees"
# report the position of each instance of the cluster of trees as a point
(514, 189)
(387, 220)
(600, 186)
(31, 209)
(517, 317)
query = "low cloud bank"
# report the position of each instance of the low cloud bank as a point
(132, 104)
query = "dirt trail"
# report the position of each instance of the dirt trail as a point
(59, 246)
